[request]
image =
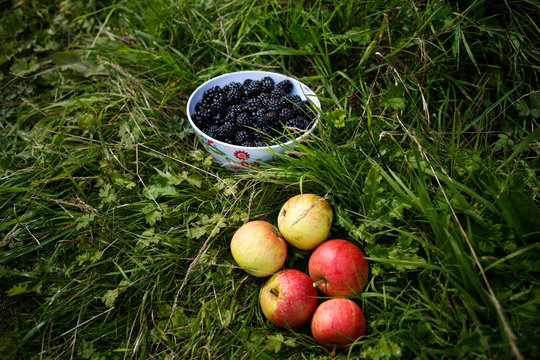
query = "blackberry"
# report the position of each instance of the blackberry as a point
(263, 98)
(219, 105)
(233, 93)
(259, 118)
(271, 116)
(254, 104)
(286, 113)
(285, 86)
(261, 133)
(276, 94)
(253, 89)
(242, 137)
(238, 108)
(301, 108)
(199, 106)
(308, 112)
(218, 119)
(284, 102)
(272, 104)
(296, 123)
(226, 131)
(295, 99)
(267, 84)
(214, 132)
(230, 117)
(244, 120)
(213, 91)
(249, 143)
(203, 118)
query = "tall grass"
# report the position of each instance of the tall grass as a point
(115, 224)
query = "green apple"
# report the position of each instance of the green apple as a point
(304, 220)
(258, 248)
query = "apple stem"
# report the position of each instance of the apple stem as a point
(274, 292)
(317, 283)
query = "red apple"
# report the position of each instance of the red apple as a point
(304, 220)
(258, 248)
(338, 268)
(288, 298)
(337, 322)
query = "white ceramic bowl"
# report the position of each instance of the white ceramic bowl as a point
(235, 156)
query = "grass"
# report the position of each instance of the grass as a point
(115, 223)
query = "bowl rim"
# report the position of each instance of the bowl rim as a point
(316, 107)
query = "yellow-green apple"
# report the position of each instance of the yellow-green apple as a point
(258, 248)
(337, 322)
(338, 268)
(288, 298)
(304, 220)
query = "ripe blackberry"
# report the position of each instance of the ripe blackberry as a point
(259, 118)
(230, 117)
(233, 93)
(236, 109)
(272, 104)
(213, 132)
(218, 119)
(285, 86)
(244, 120)
(302, 108)
(203, 118)
(267, 84)
(276, 94)
(261, 133)
(295, 99)
(308, 110)
(213, 91)
(226, 131)
(286, 113)
(253, 89)
(219, 104)
(297, 123)
(271, 116)
(254, 104)
(284, 102)
(242, 137)
(199, 106)
(249, 143)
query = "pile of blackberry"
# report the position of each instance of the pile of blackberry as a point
(253, 113)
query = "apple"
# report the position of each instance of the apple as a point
(288, 298)
(338, 268)
(304, 220)
(258, 248)
(337, 322)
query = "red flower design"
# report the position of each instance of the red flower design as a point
(242, 155)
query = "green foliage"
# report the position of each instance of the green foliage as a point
(115, 223)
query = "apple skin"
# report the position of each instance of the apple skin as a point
(304, 220)
(338, 268)
(288, 298)
(258, 248)
(337, 322)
